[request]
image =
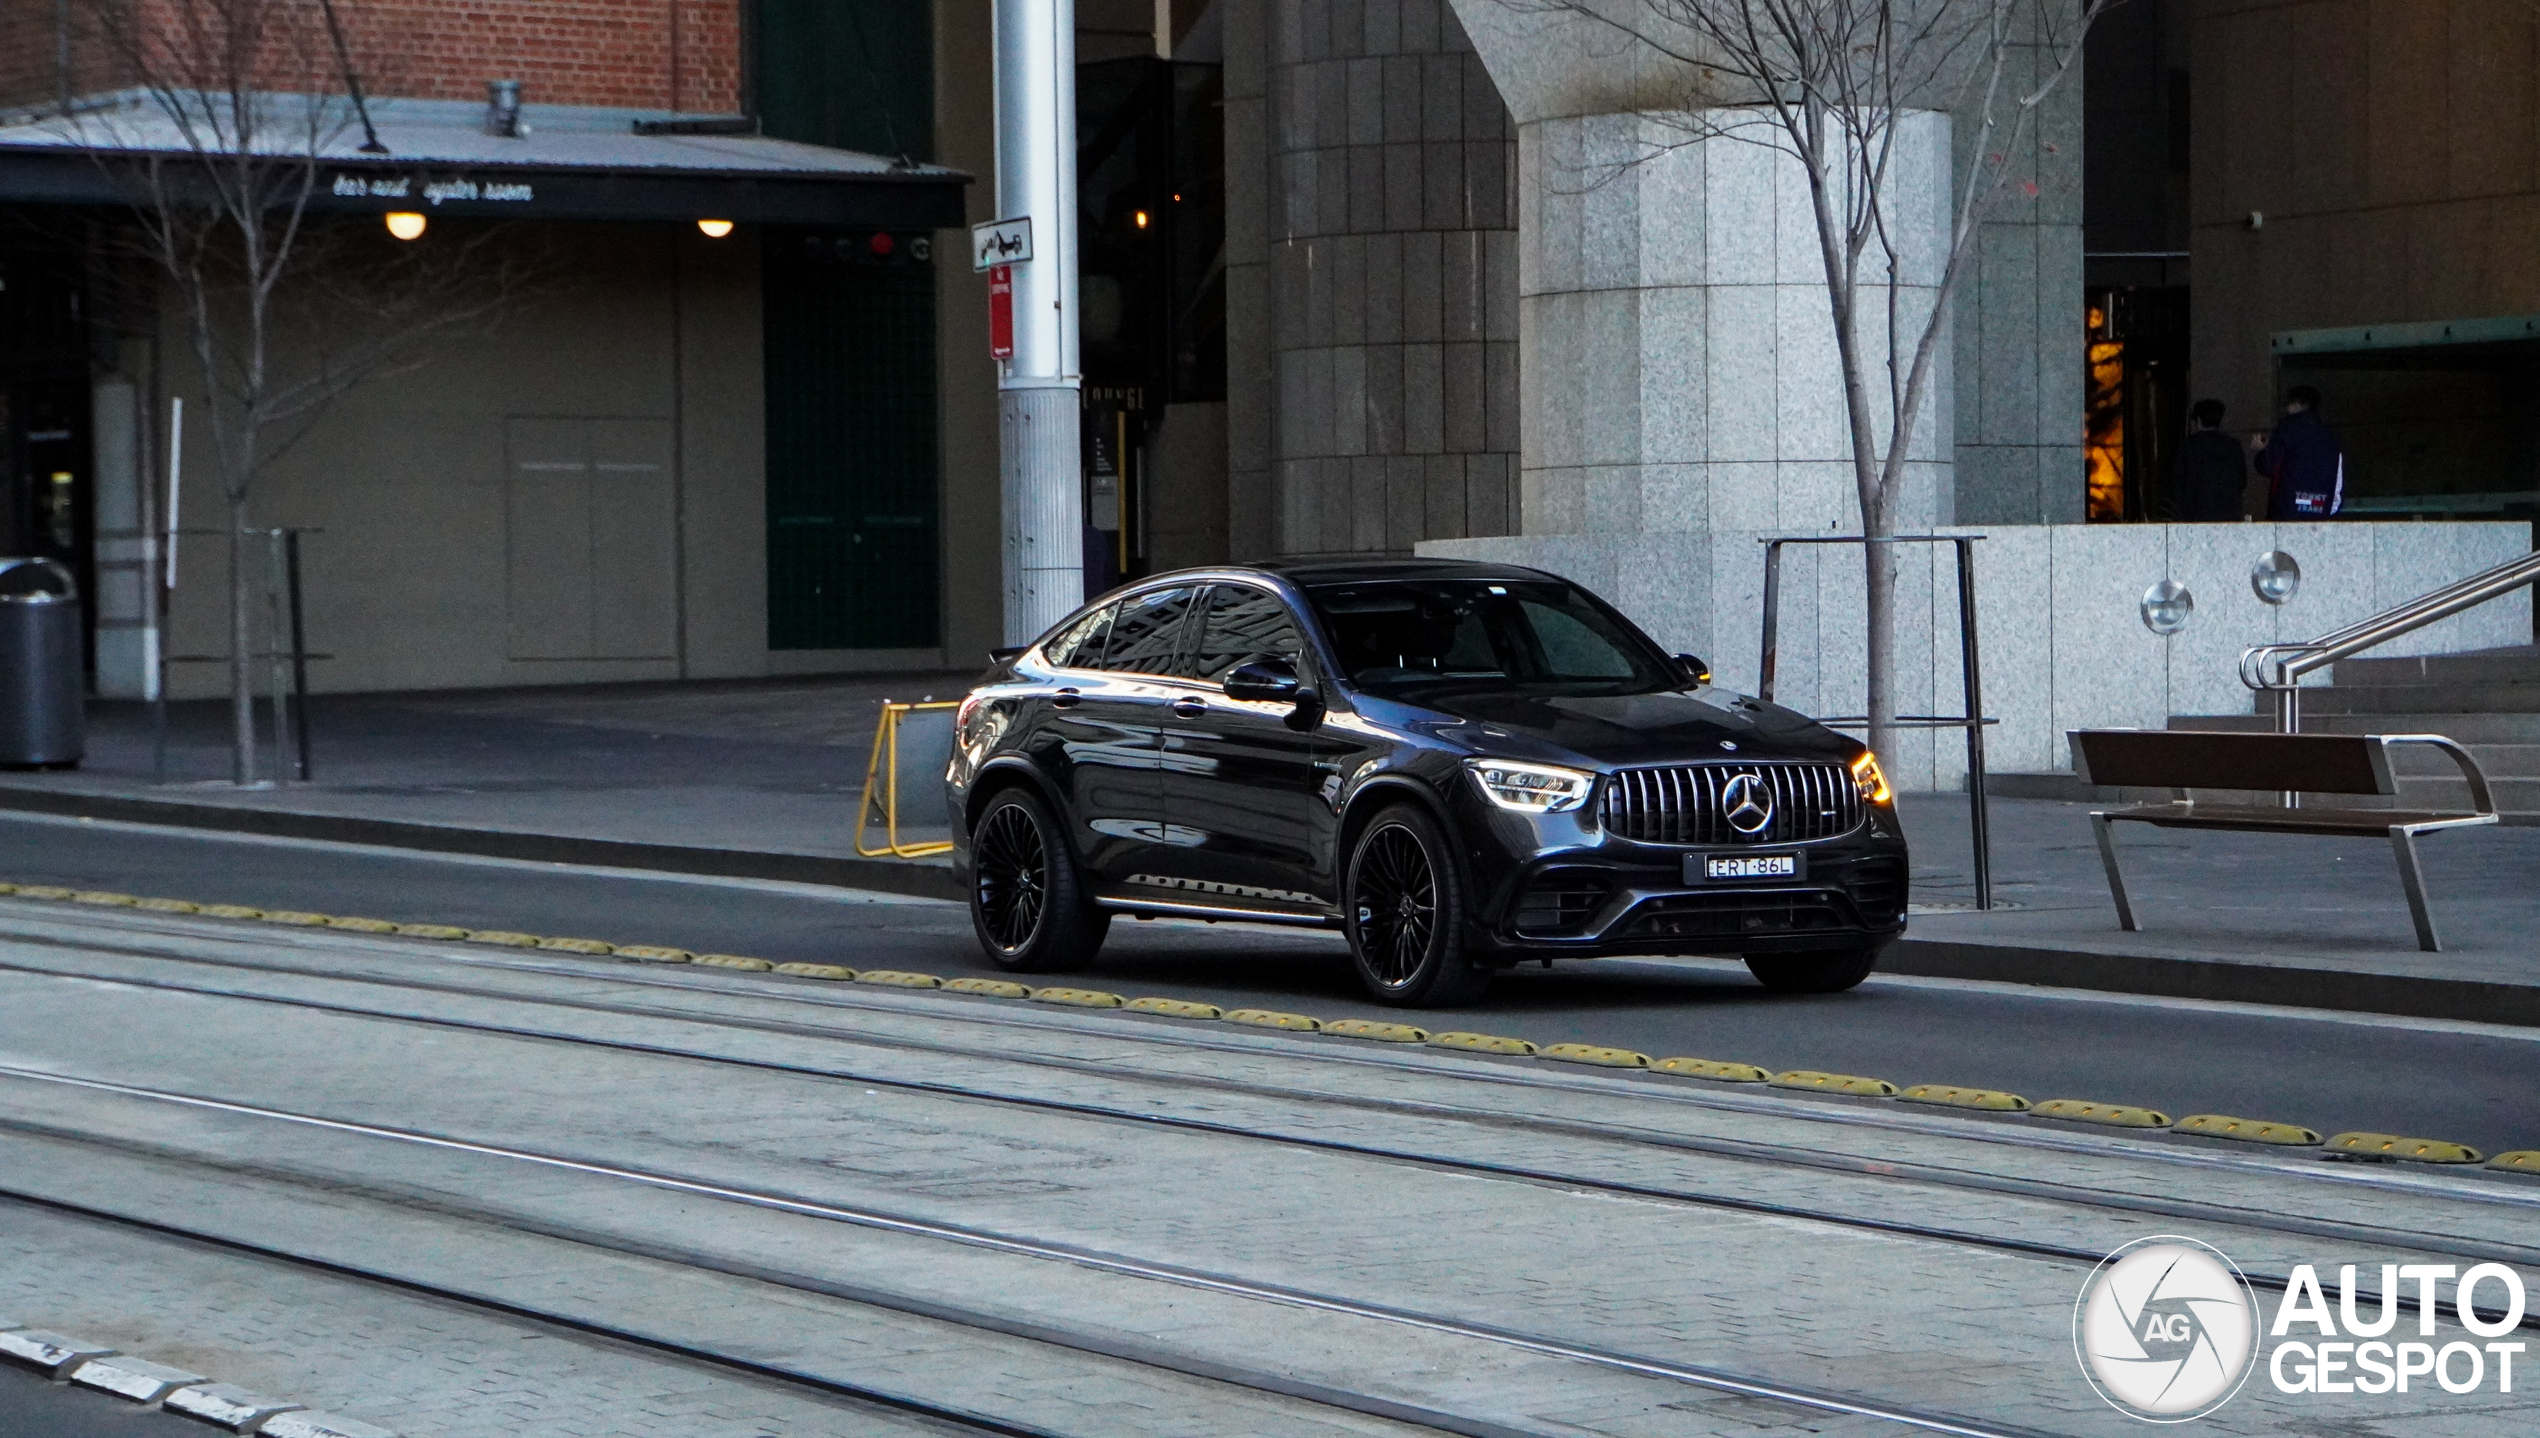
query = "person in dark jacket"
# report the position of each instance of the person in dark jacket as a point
(2303, 462)
(2211, 471)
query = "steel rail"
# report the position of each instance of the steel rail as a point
(1883, 1170)
(2293, 660)
(754, 1368)
(1699, 1376)
(1801, 1108)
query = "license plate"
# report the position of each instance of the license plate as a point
(1712, 868)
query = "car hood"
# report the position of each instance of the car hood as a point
(1636, 728)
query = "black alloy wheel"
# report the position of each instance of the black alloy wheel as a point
(1027, 903)
(1828, 971)
(1405, 914)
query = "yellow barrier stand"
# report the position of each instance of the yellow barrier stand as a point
(885, 766)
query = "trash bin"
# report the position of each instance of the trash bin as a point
(43, 682)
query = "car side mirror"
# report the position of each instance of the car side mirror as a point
(1694, 669)
(1268, 680)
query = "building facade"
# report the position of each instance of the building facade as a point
(1362, 277)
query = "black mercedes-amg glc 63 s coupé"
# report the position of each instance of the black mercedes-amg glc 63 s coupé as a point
(1460, 766)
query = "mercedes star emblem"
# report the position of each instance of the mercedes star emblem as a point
(1748, 802)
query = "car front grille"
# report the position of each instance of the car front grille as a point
(1687, 803)
(1737, 915)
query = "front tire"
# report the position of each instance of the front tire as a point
(1829, 971)
(1404, 903)
(1028, 903)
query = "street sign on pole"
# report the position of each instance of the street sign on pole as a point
(1000, 242)
(1001, 312)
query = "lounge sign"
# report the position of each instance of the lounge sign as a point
(408, 187)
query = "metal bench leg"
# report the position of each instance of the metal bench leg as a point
(2411, 878)
(2116, 880)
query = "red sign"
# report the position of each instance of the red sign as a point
(1001, 311)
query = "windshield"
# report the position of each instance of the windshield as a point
(1397, 637)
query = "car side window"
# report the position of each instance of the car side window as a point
(1080, 646)
(1146, 632)
(1244, 624)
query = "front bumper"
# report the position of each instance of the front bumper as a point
(1548, 885)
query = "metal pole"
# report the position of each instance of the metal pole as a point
(299, 658)
(1039, 410)
(1972, 669)
(1772, 620)
(275, 668)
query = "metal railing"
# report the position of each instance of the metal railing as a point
(882, 783)
(2292, 661)
(1970, 670)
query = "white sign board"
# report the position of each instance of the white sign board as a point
(1002, 242)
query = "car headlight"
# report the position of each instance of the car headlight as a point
(1873, 784)
(1531, 788)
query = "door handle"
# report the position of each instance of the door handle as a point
(1066, 698)
(1190, 706)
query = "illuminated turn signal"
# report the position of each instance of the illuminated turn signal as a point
(405, 224)
(1872, 783)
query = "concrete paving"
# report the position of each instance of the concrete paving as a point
(761, 779)
(858, 1117)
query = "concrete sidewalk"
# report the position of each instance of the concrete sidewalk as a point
(760, 779)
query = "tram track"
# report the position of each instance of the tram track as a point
(1882, 1170)
(1704, 1377)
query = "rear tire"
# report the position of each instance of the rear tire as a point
(1829, 971)
(1404, 904)
(1028, 903)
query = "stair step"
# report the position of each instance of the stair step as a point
(2517, 800)
(2421, 699)
(2518, 665)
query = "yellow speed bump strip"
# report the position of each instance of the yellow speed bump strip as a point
(1273, 1019)
(361, 926)
(225, 911)
(898, 980)
(1078, 998)
(1950, 1095)
(2247, 1130)
(1383, 1033)
(596, 947)
(742, 962)
(2413, 1150)
(2521, 1160)
(168, 906)
(1597, 1054)
(652, 954)
(502, 937)
(1175, 1008)
(2115, 1115)
(295, 916)
(832, 972)
(100, 896)
(1717, 1070)
(42, 891)
(990, 988)
(1814, 1082)
(1480, 1043)
(431, 931)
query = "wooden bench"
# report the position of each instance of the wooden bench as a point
(2179, 760)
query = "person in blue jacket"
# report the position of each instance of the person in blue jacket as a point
(2303, 462)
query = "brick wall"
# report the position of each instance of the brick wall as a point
(646, 54)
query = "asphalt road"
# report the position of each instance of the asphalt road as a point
(2330, 1072)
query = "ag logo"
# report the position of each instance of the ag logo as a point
(1748, 802)
(2165, 1329)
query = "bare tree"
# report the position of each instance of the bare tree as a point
(1828, 84)
(233, 109)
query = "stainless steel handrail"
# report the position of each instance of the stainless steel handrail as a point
(2292, 661)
